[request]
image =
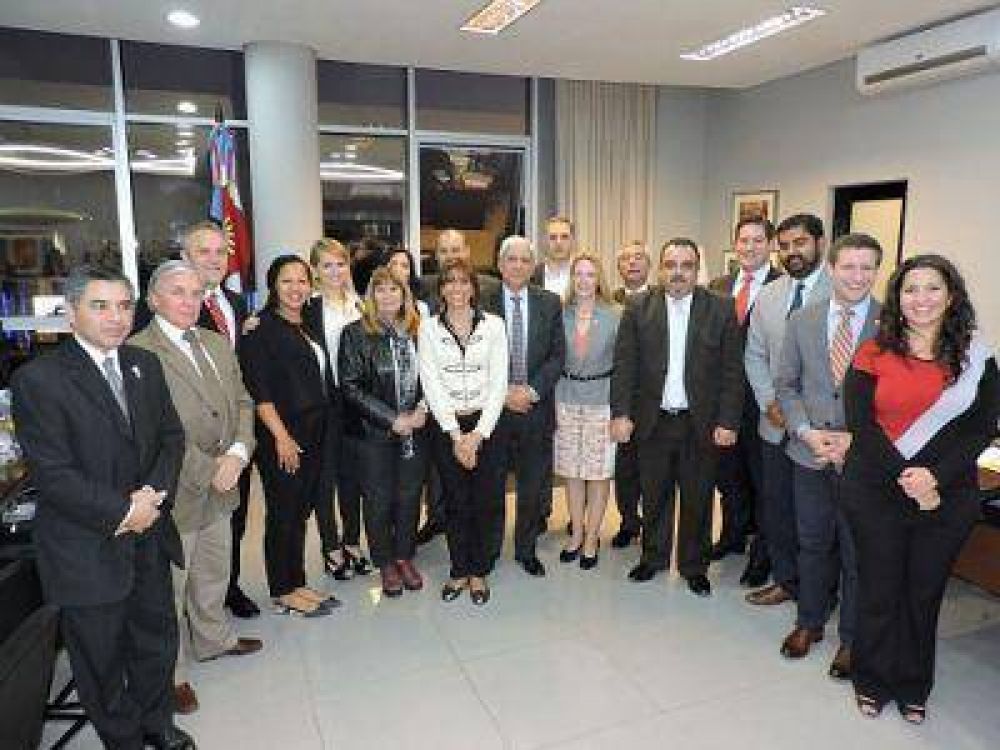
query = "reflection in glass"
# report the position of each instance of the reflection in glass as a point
(165, 79)
(477, 189)
(54, 70)
(364, 187)
(472, 102)
(361, 95)
(57, 209)
(172, 187)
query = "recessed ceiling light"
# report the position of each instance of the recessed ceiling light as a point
(182, 19)
(183, 142)
(791, 18)
(187, 108)
(350, 147)
(497, 15)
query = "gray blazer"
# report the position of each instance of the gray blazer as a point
(765, 336)
(598, 360)
(804, 384)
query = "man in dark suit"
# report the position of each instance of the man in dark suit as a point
(678, 385)
(740, 472)
(537, 354)
(104, 447)
(633, 269)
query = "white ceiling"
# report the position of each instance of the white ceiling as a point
(614, 40)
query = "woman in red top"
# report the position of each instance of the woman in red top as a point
(921, 402)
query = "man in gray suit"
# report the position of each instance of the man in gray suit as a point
(819, 343)
(801, 245)
(207, 390)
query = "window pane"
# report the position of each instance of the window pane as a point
(163, 79)
(57, 209)
(364, 187)
(472, 102)
(54, 70)
(172, 186)
(361, 95)
(476, 189)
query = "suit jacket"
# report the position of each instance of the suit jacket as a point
(765, 336)
(804, 384)
(546, 345)
(86, 459)
(713, 372)
(211, 426)
(143, 315)
(723, 286)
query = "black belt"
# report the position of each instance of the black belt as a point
(674, 412)
(584, 378)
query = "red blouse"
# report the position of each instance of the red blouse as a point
(905, 387)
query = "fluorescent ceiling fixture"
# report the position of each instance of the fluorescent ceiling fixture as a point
(182, 19)
(497, 15)
(188, 108)
(791, 18)
(345, 171)
(29, 157)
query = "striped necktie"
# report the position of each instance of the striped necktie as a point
(842, 346)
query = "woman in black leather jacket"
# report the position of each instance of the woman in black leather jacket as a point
(378, 371)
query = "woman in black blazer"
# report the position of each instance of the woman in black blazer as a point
(922, 403)
(288, 374)
(379, 376)
(324, 316)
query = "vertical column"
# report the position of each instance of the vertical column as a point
(284, 150)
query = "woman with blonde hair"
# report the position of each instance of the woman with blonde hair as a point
(584, 451)
(379, 376)
(324, 316)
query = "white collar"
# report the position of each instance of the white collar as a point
(97, 355)
(172, 332)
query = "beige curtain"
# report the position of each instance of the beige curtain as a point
(604, 163)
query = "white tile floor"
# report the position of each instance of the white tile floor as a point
(582, 660)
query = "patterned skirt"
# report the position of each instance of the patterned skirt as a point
(583, 445)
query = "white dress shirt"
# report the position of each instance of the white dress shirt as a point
(758, 278)
(678, 315)
(555, 278)
(335, 318)
(857, 321)
(98, 356)
(808, 283)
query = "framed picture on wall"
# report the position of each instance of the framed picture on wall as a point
(754, 203)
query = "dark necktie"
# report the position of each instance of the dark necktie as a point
(518, 368)
(796, 298)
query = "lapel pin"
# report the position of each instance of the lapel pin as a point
(135, 372)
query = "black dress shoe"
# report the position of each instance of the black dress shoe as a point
(533, 566)
(241, 605)
(624, 538)
(569, 555)
(171, 738)
(588, 562)
(642, 572)
(699, 585)
(428, 531)
(755, 575)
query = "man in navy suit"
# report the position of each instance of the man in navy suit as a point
(104, 447)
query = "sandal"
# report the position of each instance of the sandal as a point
(451, 590)
(358, 562)
(913, 713)
(479, 596)
(868, 706)
(280, 607)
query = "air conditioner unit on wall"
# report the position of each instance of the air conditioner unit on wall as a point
(962, 47)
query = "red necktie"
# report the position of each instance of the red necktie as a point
(743, 298)
(218, 317)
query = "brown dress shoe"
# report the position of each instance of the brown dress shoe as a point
(412, 580)
(243, 647)
(392, 582)
(797, 643)
(185, 701)
(769, 595)
(840, 667)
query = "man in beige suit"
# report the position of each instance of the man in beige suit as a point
(206, 386)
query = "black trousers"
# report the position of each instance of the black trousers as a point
(238, 523)
(123, 654)
(392, 486)
(288, 501)
(905, 557)
(526, 441)
(778, 516)
(670, 458)
(341, 479)
(627, 485)
(739, 481)
(474, 507)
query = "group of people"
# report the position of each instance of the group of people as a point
(841, 434)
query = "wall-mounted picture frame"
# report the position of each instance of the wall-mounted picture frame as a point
(754, 203)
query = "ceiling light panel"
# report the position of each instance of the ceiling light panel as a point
(183, 19)
(497, 15)
(794, 16)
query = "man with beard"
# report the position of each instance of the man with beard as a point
(740, 466)
(800, 249)
(677, 382)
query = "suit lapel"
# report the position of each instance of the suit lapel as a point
(175, 360)
(531, 353)
(91, 382)
(660, 327)
(696, 312)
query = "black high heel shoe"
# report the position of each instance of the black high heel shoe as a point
(342, 571)
(589, 562)
(359, 562)
(569, 555)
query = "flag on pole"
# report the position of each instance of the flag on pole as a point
(227, 209)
